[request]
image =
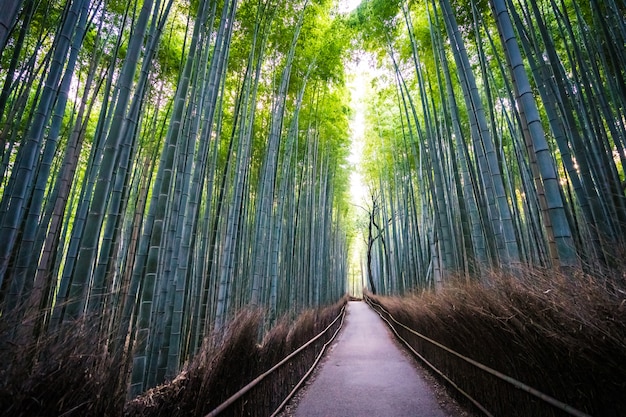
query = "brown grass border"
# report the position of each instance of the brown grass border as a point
(563, 335)
(67, 375)
(214, 375)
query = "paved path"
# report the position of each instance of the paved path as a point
(366, 374)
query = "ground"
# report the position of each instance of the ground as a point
(339, 360)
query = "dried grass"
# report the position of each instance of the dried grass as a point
(68, 374)
(217, 373)
(563, 335)
(65, 374)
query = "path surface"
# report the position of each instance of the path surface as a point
(366, 374)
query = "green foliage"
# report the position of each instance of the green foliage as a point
(465, 16)
(383, 137)
(171, 53)
(376, 22)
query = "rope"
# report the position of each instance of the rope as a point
(517, 384)
(261, 377)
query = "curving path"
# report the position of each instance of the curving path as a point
(366, 374)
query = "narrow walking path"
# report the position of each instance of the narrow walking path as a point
(366, 374)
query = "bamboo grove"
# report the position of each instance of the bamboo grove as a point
(166, 163)
(496, 138)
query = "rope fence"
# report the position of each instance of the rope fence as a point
(243, 391)
(508, 379)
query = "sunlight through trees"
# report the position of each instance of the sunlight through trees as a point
(165, 164)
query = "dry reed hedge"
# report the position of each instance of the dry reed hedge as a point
(69, 374)
(65, 373)
(215, 374)
(563, 335)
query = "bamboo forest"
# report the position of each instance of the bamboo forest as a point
(169, 168)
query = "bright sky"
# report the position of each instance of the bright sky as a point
(346, 6)
(357, 76)
(358, 86)
(357, 127)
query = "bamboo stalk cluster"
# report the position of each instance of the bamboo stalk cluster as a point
(496, 138)
(164, 165)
